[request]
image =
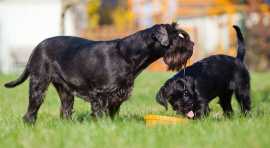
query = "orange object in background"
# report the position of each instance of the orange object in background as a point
(158, 66)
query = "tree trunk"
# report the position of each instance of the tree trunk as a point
(65, 5)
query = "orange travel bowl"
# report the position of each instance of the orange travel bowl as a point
(152, 120)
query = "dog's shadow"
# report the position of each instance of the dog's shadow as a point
(86, 117)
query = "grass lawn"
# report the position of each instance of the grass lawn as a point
(129, 130)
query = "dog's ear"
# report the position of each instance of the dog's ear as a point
(180, 84)
(189, 81)
(161, 35)
(189, 84)
(162, 97)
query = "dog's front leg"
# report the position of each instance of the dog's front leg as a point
(114, 110)
(99, 107)
(202, 109)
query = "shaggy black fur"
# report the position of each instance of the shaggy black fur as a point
(100, 72)
(215, 76)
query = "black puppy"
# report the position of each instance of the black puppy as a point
(100, 72)
(190, 90)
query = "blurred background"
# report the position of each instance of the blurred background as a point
(25, 23)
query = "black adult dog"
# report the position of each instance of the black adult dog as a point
(100, 72)
(190, 90)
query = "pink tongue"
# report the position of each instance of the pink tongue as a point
(190, 114)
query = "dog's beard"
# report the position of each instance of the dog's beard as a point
(175, 59)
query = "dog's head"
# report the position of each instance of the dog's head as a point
(180, 93)
(177, 46)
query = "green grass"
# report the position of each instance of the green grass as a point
(129, 130)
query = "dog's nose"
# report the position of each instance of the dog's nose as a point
(192, 44)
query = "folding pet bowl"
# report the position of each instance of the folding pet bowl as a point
(152, 120)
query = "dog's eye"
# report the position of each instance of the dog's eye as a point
(180, 35)
(185, 93)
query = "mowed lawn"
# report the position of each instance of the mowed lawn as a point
(129, 130)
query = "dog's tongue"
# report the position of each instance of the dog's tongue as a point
(190, 114)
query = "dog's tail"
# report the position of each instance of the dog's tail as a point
(241, 51)
(20, 80)
(24, 75)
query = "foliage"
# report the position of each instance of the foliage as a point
(258, 44)
(119, 16)
(129, 130)
(93, 7)
(123, 18)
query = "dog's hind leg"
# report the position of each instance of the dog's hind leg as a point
(225, 103)
(67, 101)
(37, 87)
